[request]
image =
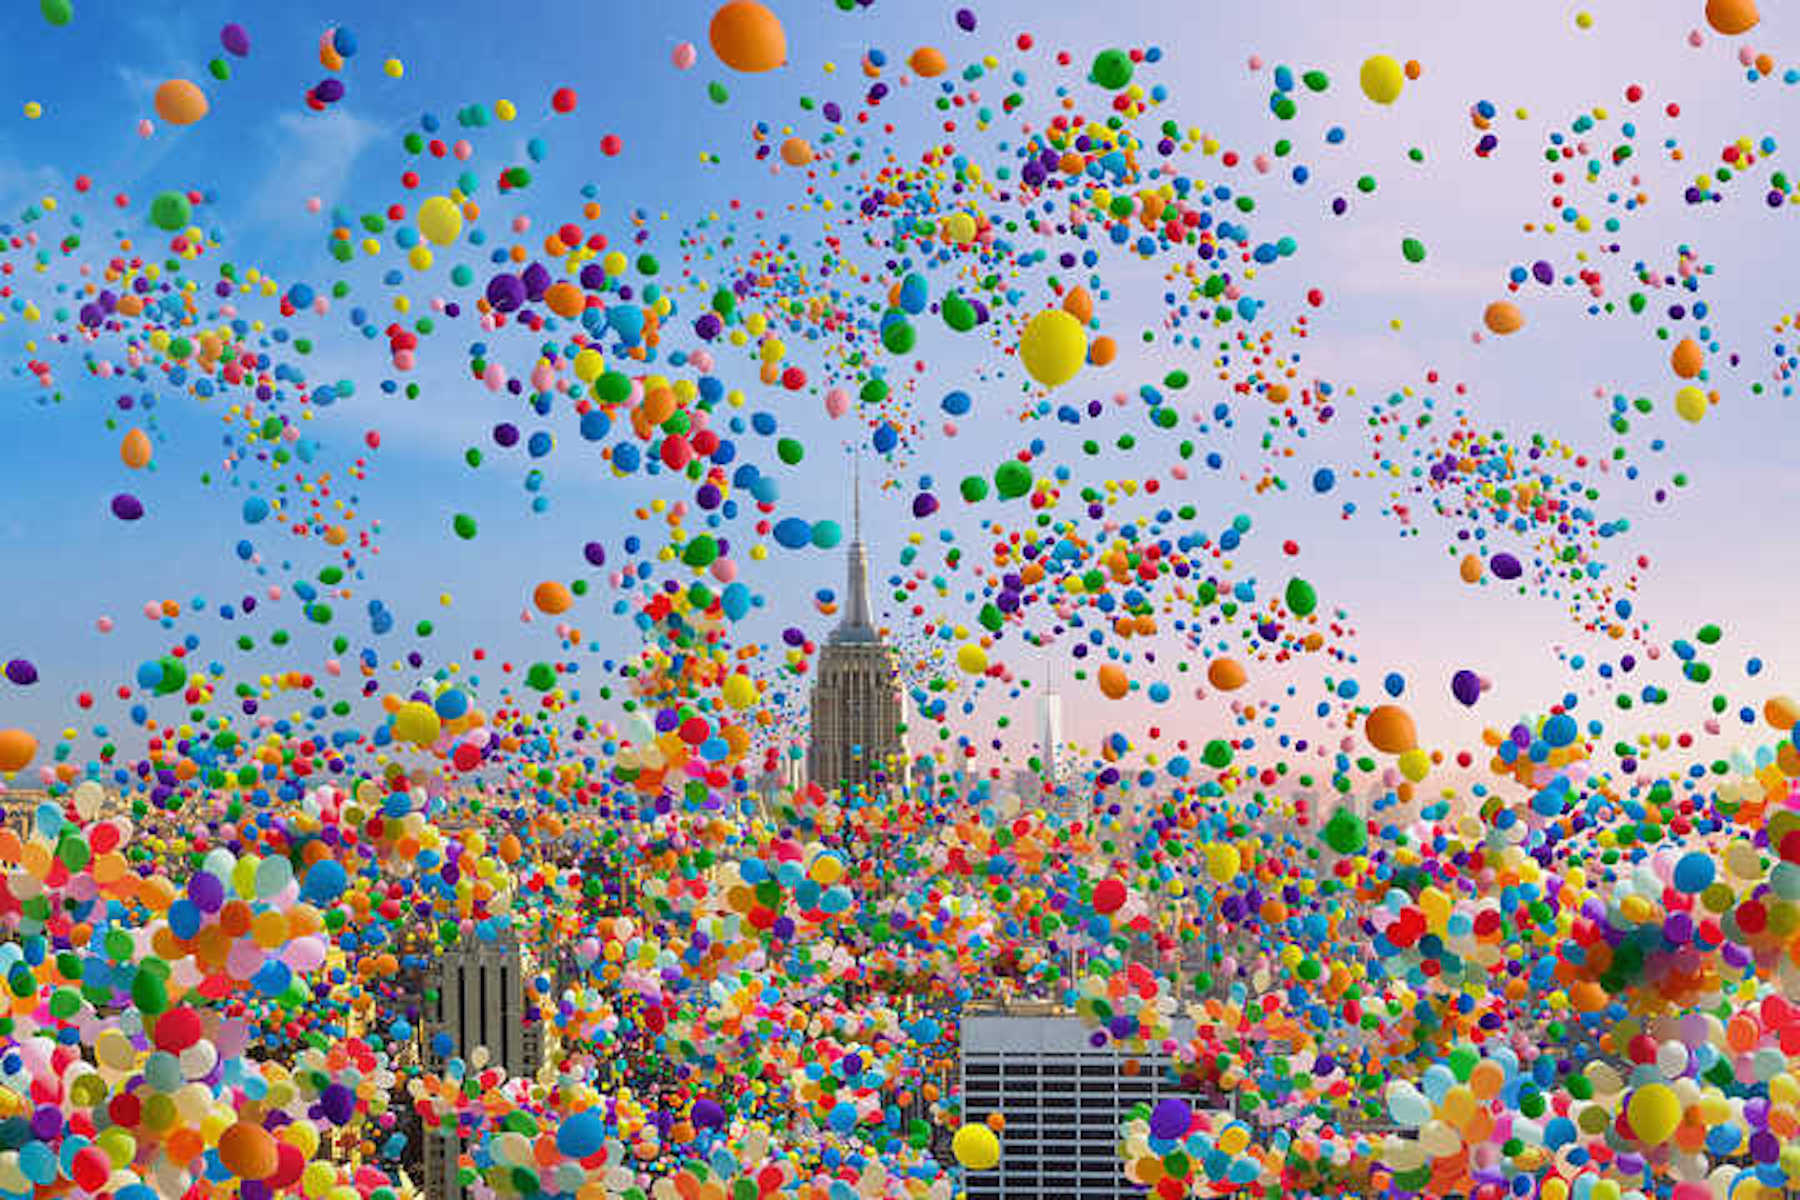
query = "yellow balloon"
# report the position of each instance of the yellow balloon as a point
(1223, 862)
(1415, 764)
(1690, 402)
(1054, 347)
(740, 691)
(1382, 79)
(976, 1147)
(416, 722)
(972, 659)
(440, 220)
(1654, 1111)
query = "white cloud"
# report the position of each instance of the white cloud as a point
(315, 154)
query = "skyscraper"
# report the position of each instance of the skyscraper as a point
(479, 1002)
(857, 708)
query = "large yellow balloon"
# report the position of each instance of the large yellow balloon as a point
(976, 1147)
(1223, 862)
(748, 37)
(972, 659)
(440, 220)
(1654, 1112)
(416, 723)
(740, 691)
(1382, 79)
(1054, 347)
(1690, 402)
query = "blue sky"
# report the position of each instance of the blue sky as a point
(1720, 552)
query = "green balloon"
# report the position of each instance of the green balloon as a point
(959, 314)
(1413, 249)
(464, 525)
(1112, 69)
(1217, 754)
(170, 211)
(149, 991)
(541, 677)
(974, 489)
(1345, 832)
(898, 336)
(1301, 598)
(700, 550)
(57, 12)
(1012, 479)
(790, 451)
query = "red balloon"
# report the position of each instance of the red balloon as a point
(563, 100)
(1109, 896)
(178, 1029)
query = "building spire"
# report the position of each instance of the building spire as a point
(858, 624)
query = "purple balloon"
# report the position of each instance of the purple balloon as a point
(338, 1103)
(1465, 685)
(235, 39)
(1171, 1118)
(329, 90)
(1505, 566)
(21, 672)
(505, 292)
(127, 507)
(595, 553)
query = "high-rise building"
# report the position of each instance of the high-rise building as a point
(1063, 1099)
(858, 711)
(479, 1001)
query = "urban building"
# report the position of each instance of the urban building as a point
(478, 998)
(858, 705)
(1063, 1099)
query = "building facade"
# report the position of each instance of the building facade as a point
(1064, 1101)
(478, 999)
(858, 710)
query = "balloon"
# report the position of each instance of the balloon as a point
(748, 37)
(1223, 862)
(927, 62)
(1053, 347)
(684, 56)
(440, 220)
(1113, 682)
(180, 102)
(1390, 729)
(1301, 598)
(171, 211)
(1112, 69)
(1345, 832)
(581, 1134)
(796, 152)
(57, 12)
(17, 749)
(134, 450)
(1503, 317)
(1382, 78)
(1687, 358)
(976, 1147)
(1226, 674)
(1465, 685)
(1732, 17)
(972, 659)
(1690, 403)
(1654, 1111)
(1171, 1118)
(417, 723)
(248, 1151)
(552, 597)
(235, 39)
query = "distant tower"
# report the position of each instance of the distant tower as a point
(480, 1001)
(857, 706)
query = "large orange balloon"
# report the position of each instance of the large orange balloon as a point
(1687, 358)
(565, 299)
(17, 749)
(552, 597)
(1113, 682)
(134, 450)
(748, 37)
(1503, 317)
(1226, 674)
(180, 102)
(1732, 17)
(927, 62)
(796, 152)
(1390, 729)
(248, 1151)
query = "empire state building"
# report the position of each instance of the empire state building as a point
(858, 712)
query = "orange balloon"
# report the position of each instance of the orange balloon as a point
(134, 451)
(1390, 729)
(1102, 350)
(1226, 674)
(17, 749)
(1687, 358)
(552, 597)
(1503, 317)
(748, 37)
(928, 62)
(248, 1151)
(180, 102)
(565, 299)
(1113, 683)
(1470, 569)
(1732, 17)
(796, 152)
(1079, 304)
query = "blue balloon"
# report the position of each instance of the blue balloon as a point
(581, 1134)
(1560, 730)
(256, 509)
(1324, 479)
(1394, 683)
(792, 533)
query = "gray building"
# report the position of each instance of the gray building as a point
(858, 710)
(1064, 1101)
(479, 1001)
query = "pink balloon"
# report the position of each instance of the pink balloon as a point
(684, 56)
(837, 402)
